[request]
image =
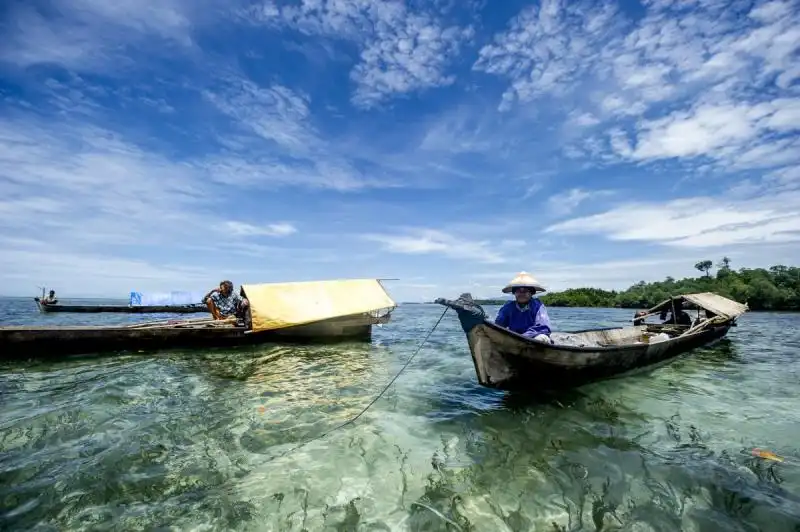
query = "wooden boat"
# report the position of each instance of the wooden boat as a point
(508, 361)
(127, 309)
(319, 311)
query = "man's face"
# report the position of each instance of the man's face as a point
(225, 289)
(522, 295)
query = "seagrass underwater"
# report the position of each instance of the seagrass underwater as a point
(188, 439)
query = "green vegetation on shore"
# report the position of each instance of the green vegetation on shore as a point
(776, 288)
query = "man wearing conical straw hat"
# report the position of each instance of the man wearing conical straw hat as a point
(525, 314)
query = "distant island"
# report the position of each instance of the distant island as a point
(776, 288)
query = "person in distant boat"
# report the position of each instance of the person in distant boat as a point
(525, 314)
(223, 302)
(51, 298)
(677, 316)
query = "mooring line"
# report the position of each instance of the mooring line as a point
(375, 400)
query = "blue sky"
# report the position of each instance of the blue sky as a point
(165, 145)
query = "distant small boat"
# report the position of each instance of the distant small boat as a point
(509, 361)
(279, 312)
(126, 309)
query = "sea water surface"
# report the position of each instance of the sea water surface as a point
(201, 440)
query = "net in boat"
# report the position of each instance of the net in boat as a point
(279, 305)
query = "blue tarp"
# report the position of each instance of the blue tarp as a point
(139, 299)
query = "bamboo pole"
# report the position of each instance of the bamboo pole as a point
(698, 326)
(635, 318)
(174, 322)
(213, 324)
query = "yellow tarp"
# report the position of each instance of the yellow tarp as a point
(278, 305)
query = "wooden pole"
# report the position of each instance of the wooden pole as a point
(674, 317)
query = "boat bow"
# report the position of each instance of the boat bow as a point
(470, 314)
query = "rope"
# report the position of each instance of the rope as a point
(375, 400)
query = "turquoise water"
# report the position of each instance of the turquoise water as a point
(198, 440)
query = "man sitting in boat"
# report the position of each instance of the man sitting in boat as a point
(51, 298)
(223, 302)
(525, 315)
(677, 315)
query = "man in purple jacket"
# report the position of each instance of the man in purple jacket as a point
(525, 315)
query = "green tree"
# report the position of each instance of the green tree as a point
(775, 288)
(704, 266)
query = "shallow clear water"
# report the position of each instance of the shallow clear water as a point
(200, 440)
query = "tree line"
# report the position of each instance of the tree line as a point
(775, 288)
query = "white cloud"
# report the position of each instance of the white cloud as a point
(80, 189)
(567, 201)
(401, 51)
(785, 179)
(96, 275)
(274, 113)
(732, 133)
(401, 61)
(430, 241)
(695, 222)
(459, 131)
(285, 149)
(90, 34)
(274, 229)
(583, 119)
(91, 183)
(244, 169)
(700, 81)
(548, 48)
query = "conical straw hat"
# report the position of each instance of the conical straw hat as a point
(523, 279)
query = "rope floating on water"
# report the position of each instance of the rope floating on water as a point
(375, 400)
(438, 513)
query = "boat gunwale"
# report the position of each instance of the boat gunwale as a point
(202, 324)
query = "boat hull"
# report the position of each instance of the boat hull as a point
(508, 361)
(50, 342)
(124, 309)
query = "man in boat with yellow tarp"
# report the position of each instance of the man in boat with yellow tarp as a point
(223, 302)
(525, 314)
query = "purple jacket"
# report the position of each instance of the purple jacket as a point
(529, 321)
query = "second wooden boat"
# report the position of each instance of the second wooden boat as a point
(125, 309)
(319, 311)
(53, 342)
(508, 361)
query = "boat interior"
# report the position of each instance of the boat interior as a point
(643, 332)
(639, 334)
